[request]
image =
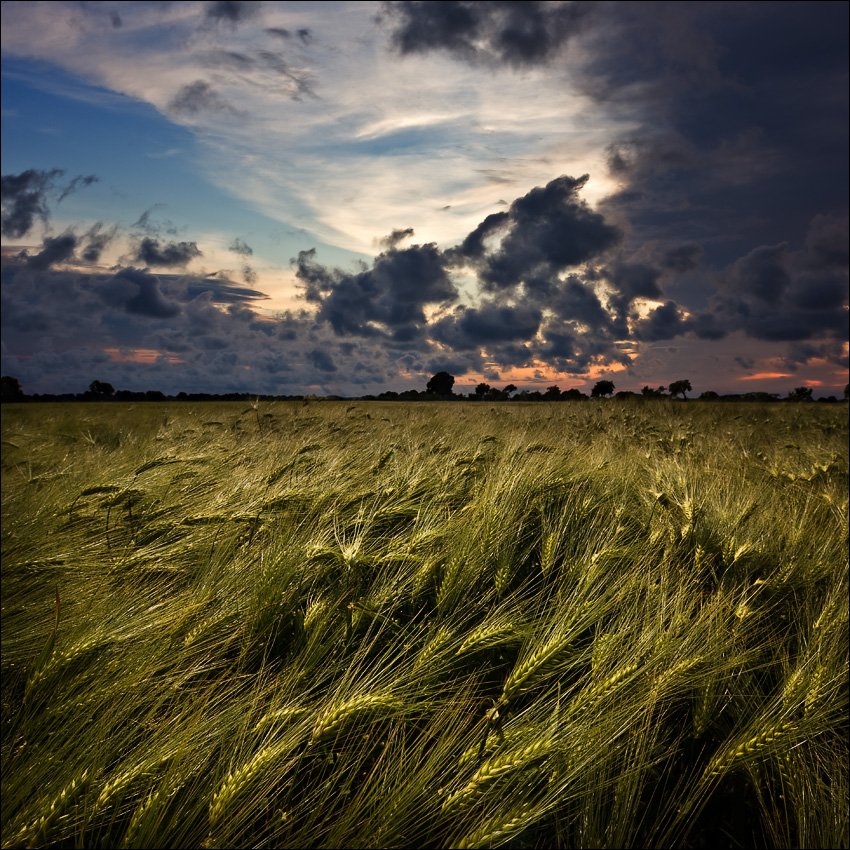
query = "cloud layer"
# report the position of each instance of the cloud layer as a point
(568, 189)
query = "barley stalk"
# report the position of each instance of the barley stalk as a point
(721, 763)
(485, 636)
(500, 827)
(537, 666)
(496, 767)
(333, 720)
(37, 833)
(237, 781)
(547, 554)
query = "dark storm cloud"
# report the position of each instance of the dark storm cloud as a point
(546, 231)
(634, 280)
(391, 294)
(826, 245)
(763, 273)
(520, 34)
(56, 249)
(322, 360)
(198, 97)
(683, 258)
(476, 327)
(473, 246)
(138, 292)
(152, 252)
(96, 240)
(233, 12)
(24, 198)
(398, 235)
(238, 246)
(577, 301)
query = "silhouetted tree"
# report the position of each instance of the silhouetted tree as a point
(11, 389)
(482, 390)
(680, 388)
(552, 393)
(800, 394)
(709, 395)
(573, 395)
(101, 388)
(648, 392)
(602, 388)
(441, 384)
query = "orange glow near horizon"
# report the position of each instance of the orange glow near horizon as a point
(765, 376)
(140, 355)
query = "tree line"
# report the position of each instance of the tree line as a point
(439, 388)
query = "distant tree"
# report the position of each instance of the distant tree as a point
(602, 388)
(482, 390)
(573, 395)
(648, 392)
(510, 388)
(680, 388)
(11, 389)
(441, 384)
(800, 394)
(552, 393)
(101, 388)
(709, 395)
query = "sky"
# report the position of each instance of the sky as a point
(348, 197)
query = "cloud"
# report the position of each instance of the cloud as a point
(138, 292)
(232, 12)
(548, 230)
(390, 294)
(762, 274)
(240, 247)
(197, 98)
(24, 198)
(683, 258)
(322, 360)
(56, 249)
(78, 181)
(97, 238)
(519, 34)
(152, 252)
(304, 35)
(476, 327)
(393, 239)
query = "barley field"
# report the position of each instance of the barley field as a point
(356, 624)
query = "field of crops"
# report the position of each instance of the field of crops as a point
(331, 624)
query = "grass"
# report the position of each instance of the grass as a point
(438, 625)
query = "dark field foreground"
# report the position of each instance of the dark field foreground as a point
(438, 625)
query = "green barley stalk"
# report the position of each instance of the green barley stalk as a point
(332, 720)
(238, 780)
(38, 832)
(497, 767)
(500, 828)
(526, 675)
(721, 763)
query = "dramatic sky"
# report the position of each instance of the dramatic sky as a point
(347, 197)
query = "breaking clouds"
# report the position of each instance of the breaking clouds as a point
(722, 222)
